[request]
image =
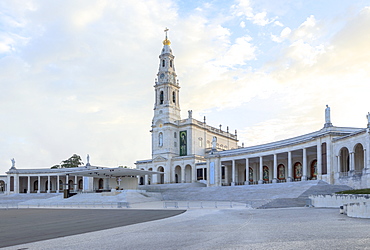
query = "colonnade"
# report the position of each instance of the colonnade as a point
(21, 183)
(269, 167)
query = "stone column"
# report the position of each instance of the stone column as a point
(226, 174)
(351, 162)
(182, 174)
(58, 185)
(48, 188)
(319, 160)
(38, 184)
(194, 174)
(290, 172)
(66, 186)
(365, 156)
(203, 177)
(146, 180)
(304, 176)
(16, 184)
(246, 171)
(274, 180)
(260, 181)
(76, 184)
(8, 185)
(339, 163)
(106, 183)
(28, 184)
(233, 173)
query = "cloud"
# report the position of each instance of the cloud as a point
(244, 9)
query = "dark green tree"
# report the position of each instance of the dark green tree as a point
(73, 162)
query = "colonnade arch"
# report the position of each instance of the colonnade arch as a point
(188, 173)
(160, 176)
(177, 174)
(344, 159)
(359, 157)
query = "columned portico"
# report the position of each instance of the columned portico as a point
(319, 160)
(290, 167)
(246, 171)
(304, 177)
(274, 180)
(58, 184)
(260, 181)
(233, 172)
(38, 184)
(28, 184)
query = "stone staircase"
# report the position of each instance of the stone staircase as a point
(279, 195)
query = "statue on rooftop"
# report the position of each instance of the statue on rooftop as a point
(327, 117)
(13, 163)
(327, 114)
(368, 119)
(214, 142)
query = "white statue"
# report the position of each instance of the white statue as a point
(13, 162)
(368, 118)
(214, 142)
(190, 112)
(327, 114)
(88, 159)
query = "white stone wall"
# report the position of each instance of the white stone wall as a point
(337, 200)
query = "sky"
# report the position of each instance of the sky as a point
(76, 77)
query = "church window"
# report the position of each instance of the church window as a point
(171, 63)
(160, 139)
(174, 135)
(163, 63)
(174, 97)
(200, 142)
(161, 98)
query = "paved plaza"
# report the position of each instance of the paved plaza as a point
(234, 228)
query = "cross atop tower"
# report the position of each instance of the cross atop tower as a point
(166, 41)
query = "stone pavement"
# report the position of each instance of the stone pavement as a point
(284, 228)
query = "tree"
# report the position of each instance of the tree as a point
(73, 162)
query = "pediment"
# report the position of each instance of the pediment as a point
(159, 158)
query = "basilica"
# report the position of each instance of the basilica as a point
(188, 150)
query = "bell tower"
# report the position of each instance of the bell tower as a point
(167, 105)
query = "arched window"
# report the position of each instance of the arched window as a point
(174, 97)
(171, 63)
(101, 184)
(163, 63)
(161, 98)
(174, 135)
(160, 139)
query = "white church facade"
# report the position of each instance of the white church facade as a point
(188, 150)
